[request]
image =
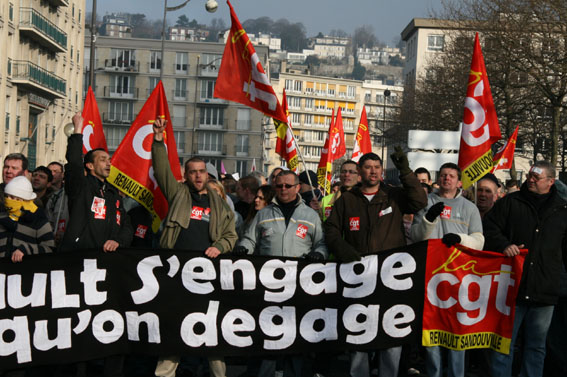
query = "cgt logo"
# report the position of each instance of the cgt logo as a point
(197, 213)
(354, 223)
(301, 231)
(470, 291)
(446, 214)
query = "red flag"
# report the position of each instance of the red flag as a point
(285, 142)
(93, 135)
(131, 171)
(505, 155)
(480, 123)
(333, 149)
(253, 165)
(241, 76)
(362, 144)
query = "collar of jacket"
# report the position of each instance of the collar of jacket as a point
(381, 195)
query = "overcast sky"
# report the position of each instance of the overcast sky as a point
(387, 17)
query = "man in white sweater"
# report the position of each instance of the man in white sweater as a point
(454, 219)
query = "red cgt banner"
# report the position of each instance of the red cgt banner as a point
(470, 298)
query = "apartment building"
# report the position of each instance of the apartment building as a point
(128, 69)
(40, 75)
(311, 101)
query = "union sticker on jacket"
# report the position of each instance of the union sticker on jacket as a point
(385, 212)
(301, 231)
(446, 214)
(267, 232)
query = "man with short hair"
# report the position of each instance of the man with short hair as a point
(311, 195)
(512, 186)
(97, 218)
(57, 170)
(197, 219)
(41, 183)
(285, 228)
(368, 219)
(246, 189)
(454, 219)
(486, 193)
(423, 175)
(534, 218)
(15, 164)
(57, 205)
(349, 177)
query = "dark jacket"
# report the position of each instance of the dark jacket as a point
(84, 230)
(357, 227)
(515, 220)
(31, 234)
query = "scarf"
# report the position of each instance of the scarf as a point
(15, 207)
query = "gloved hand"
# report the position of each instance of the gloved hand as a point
(239, 250)
(400, 160)
(451, 239)
(434, 211)
(315, 257)
(347, 256)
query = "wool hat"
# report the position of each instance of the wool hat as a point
(20, 187)
(303, 177)
(212, 171)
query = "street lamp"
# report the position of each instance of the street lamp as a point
(211, 7)
(93, 39)
(386, 94)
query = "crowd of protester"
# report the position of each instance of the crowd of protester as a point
(70, 207)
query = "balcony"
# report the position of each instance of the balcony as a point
(207, 97)
(26, 73)
(35, 26)
(59, 3)
(208, 70)
(121, 65)
(214, 127)
(117, 118)
(211, 149)
(130, 92)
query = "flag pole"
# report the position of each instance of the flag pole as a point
(303, 162)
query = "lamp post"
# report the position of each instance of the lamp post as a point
(386, 94)
(211, 7)
(93, 38)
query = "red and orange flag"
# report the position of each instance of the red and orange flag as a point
(362, 144)
(131, 171)
(333, 149)
(504, 157)
(241, 76)
(285, 142)
(93, 134)
(480, 123)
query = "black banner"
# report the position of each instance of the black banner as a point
(88, 304)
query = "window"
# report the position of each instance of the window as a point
(120, 112)
(435, 42)
(120, 85)
(180, 89)
(210, 142)
(211, 116)
(295, 118)
(351, 92)
(207, 89)
(179, 116)
(153, 83)
(121, 59)
(297, 85)
(181, 62)
(114, 135)
(308, 119)
(241, 168)
(179, 140)
(309, 103)
(288, 85)
(241, 145)
(243, 119)
(294, 102)
(210, 63)
(155, 61)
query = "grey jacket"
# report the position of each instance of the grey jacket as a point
(268, 234)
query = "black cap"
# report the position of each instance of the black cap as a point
(491, 177)
(303, 178)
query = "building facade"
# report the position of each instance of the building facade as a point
(40, 75)
(128, 69)
(311, 101)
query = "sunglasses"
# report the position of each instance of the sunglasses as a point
(282, 185)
